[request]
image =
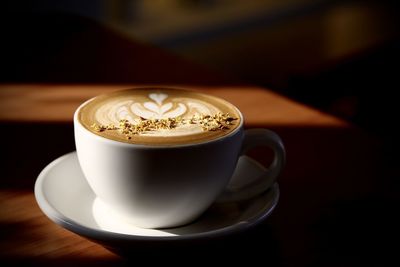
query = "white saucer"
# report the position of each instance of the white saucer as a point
(65, 197)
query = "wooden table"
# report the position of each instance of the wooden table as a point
(332, 189)
(37, 127)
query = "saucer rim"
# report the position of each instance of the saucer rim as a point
(99, 234)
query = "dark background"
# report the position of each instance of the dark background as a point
(340, 57)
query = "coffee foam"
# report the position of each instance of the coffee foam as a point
(137, 104)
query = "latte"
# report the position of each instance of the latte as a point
(159, 116)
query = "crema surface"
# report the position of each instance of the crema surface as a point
(135, 105)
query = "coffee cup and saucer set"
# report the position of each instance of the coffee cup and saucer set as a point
(160, 167)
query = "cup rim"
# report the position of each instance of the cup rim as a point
(77, 123)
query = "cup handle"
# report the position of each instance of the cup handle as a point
(254, 138)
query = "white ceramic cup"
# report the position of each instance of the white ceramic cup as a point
(167, 186)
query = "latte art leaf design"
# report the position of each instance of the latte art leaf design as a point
(157, 106)
(158, 110)
(158, 98)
